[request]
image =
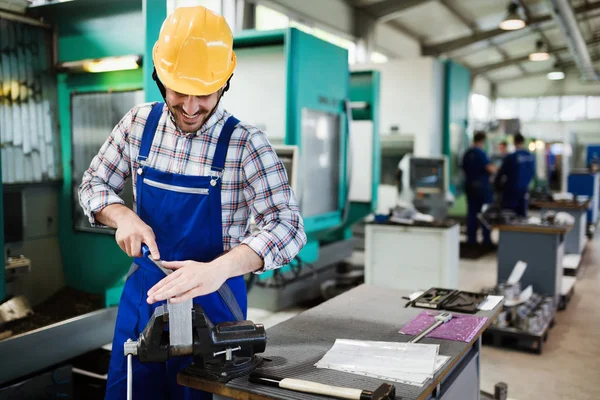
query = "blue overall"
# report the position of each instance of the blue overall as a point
(184, 212)
(518, 168)
(478, 191)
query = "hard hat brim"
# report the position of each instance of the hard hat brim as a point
(189, 86)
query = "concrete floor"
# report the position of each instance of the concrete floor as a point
(568, 368)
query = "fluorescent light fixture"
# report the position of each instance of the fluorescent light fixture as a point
(112, 64)
(556, 75)
(513, 20)
(106, 64)
(540, 54)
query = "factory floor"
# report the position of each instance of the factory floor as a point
(569, 364)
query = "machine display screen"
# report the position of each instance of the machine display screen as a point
(320, 162)
(427, 174)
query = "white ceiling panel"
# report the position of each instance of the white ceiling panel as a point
(487, 14)
(433, 22)
(537, 7)
(504, 73)
(488, 56)
(539, 66)
(555, 37)
(523, 45)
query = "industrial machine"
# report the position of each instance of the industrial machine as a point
(305, 110)
(423, 184)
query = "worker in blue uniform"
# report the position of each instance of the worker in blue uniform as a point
(198, 174)
(478, 170)
(517, 172)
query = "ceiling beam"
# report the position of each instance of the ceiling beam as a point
(538, 29)
(444, 47)
(389, 9)
(475, 29)
(525, 57)
(565, 65)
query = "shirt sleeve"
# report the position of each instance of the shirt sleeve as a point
(272, 203)
(108, 172)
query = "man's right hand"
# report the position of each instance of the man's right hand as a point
(131, 230)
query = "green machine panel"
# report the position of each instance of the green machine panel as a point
(456, 138)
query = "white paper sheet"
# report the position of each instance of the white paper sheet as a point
(490, 302)
(409, 363)
(391, 356)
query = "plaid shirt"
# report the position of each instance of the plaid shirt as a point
(254, 179)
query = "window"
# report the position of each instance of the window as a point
(549, 108)
(593, 107)
(572, 108)
(479, 107)
(507, 108)
(528, 109)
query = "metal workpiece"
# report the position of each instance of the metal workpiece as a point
(15, 308)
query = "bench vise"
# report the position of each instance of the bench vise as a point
(219, 352)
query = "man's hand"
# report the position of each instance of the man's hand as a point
(190, 279)
(131, 230)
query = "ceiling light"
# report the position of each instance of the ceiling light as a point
(532, 146)
(513, 20)
(540, 53)
(556, 75)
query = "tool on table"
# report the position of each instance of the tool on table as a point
(440, 319)
(385, 391)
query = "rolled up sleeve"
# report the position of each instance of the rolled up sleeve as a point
(272, 203)
(107, 173)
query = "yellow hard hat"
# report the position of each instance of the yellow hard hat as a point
(194, 51)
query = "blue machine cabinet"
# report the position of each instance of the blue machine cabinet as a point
(585, 183)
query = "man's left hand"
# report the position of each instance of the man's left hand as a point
(189, 279)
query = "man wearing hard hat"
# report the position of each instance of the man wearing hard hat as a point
(198, 175)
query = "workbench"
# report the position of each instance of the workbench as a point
(363, 313)
(410, 257)
(576, 238)
(542, 247)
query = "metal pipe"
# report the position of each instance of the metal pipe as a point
(23, 19)
(129, 377)
(562, 12)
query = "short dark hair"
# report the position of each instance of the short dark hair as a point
(519, 139)
(503, 143)
(479, 137)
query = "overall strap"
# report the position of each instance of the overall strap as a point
(150, 130)
(223, 144)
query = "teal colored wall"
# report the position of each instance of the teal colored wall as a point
(456, 117)
(155, 13)
(86, 29)
(94, 29)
